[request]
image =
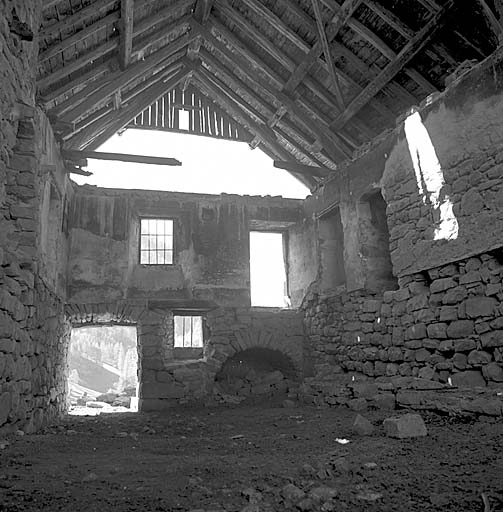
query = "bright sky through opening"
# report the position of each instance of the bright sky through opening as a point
(267, 270)
(209, 166)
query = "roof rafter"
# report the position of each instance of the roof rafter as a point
(135, 71)
(406, 54)
(328, 56)
(126, 32)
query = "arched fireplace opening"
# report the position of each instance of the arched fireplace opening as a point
(256, 372)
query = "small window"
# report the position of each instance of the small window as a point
(156, 241)
(188, 332)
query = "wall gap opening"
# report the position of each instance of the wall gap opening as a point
(268, 274)
(374, 242)
(331, 234)
(103, 369)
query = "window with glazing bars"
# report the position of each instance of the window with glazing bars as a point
(156, 241)
(188, 331)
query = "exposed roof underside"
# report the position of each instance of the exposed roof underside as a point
(307, 81)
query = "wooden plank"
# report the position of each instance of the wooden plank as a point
(71, 154)
(406, 54)
(202, 10)
(328, 56)
(258, 63)
(77, 18)
(137, 105)
(49, 4)
(77, 64)
(80, 81)
(126, 32)
(308, 170)
(265, 134)
(79, 36)
(166, 55)
(330, 141)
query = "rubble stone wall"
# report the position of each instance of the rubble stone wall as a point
(438, 326)
(33, 331)
(166, 381)
(442, 330)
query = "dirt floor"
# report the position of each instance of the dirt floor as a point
(251, 459)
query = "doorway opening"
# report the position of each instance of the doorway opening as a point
(103, 370)
(268, 273)
(331, 233)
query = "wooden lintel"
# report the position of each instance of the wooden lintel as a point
(411, 49)
(308, 170)
(126, 32)
(328, 55)
(72, 154)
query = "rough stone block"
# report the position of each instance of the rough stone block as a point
(364, 389)
(478, 358)
(357, 404)
(464, 345)
(492, 339)
(468, 379)
(460, 328)
(480, 306)
(362, 426)
(455, 295)
(385, 401)
(440, 285)
(408, 425)
(438, 331)
(493, 372)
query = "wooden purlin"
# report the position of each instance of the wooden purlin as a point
(205, 117)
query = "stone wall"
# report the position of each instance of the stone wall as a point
(442, 330)
(211, 239)
(166, 381)
(435, 323)
(33, 331)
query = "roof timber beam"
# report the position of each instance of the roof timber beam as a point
(309, 170)
(117, 120)
(112, 104)
(406, 54)
(260, 127)
(335, 148)
(494, 23)
(79, 82)
(345, 12)
(252, 59)
(398, 25)
(389, 53)
(314, 53)
(264, 133)
(126, 32)
(269, 111)
(71, 67)
(328, 56)
(49, 4)
(77, 18)
(137, 70)
(202, 10)
(73, 154)
(53, 50)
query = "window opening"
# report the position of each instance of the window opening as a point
(156, 241)
(268, 276)
(183, 120)
(188, 332)
(103, 370)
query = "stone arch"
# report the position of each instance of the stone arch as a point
(249, 338)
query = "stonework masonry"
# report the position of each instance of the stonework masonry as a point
(395, 263)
